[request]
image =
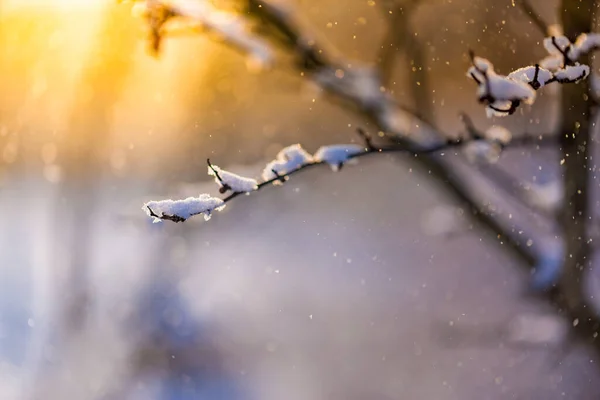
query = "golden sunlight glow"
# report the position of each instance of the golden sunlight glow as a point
(55, 4)
(80, 70)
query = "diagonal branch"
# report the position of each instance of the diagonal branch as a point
(358, 88)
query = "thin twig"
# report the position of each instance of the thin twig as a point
(369, 150)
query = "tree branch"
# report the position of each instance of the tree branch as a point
(359, 89)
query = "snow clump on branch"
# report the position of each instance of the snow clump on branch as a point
(180, 210)
(337, 155)
(502, 95)
(287, 160)
(230, 181)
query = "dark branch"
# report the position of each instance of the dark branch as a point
(214, 170)
(393, 148)
(278, 178)
(224, 187)
(488, 98)
(165, 217)
(564, 52)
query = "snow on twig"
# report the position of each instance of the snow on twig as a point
(291, 160)
(180, 210)
(230, 181)
(338, 154)
(287, 160)
(502, 95)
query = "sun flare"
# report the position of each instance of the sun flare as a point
(8, 5)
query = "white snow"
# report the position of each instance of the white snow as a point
(235, 182)
(572, 73)
(203, 204)
(498, 105)
(288, 159)
(499, 134)
(504, 88)
(527, 75)
(482, 65)
(499, 87)
(586, 42)
(562, 41)
(481, 151)
(230, 27)
(552, 62)
(338, 154)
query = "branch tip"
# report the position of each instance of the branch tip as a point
(214, 170)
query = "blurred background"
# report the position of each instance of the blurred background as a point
(367, 284)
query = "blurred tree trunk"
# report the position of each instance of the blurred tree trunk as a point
(577, 123)
(85, 150)
(402, 40)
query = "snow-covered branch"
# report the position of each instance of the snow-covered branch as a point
(503, 94)
(293, 159)
(359, 88)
